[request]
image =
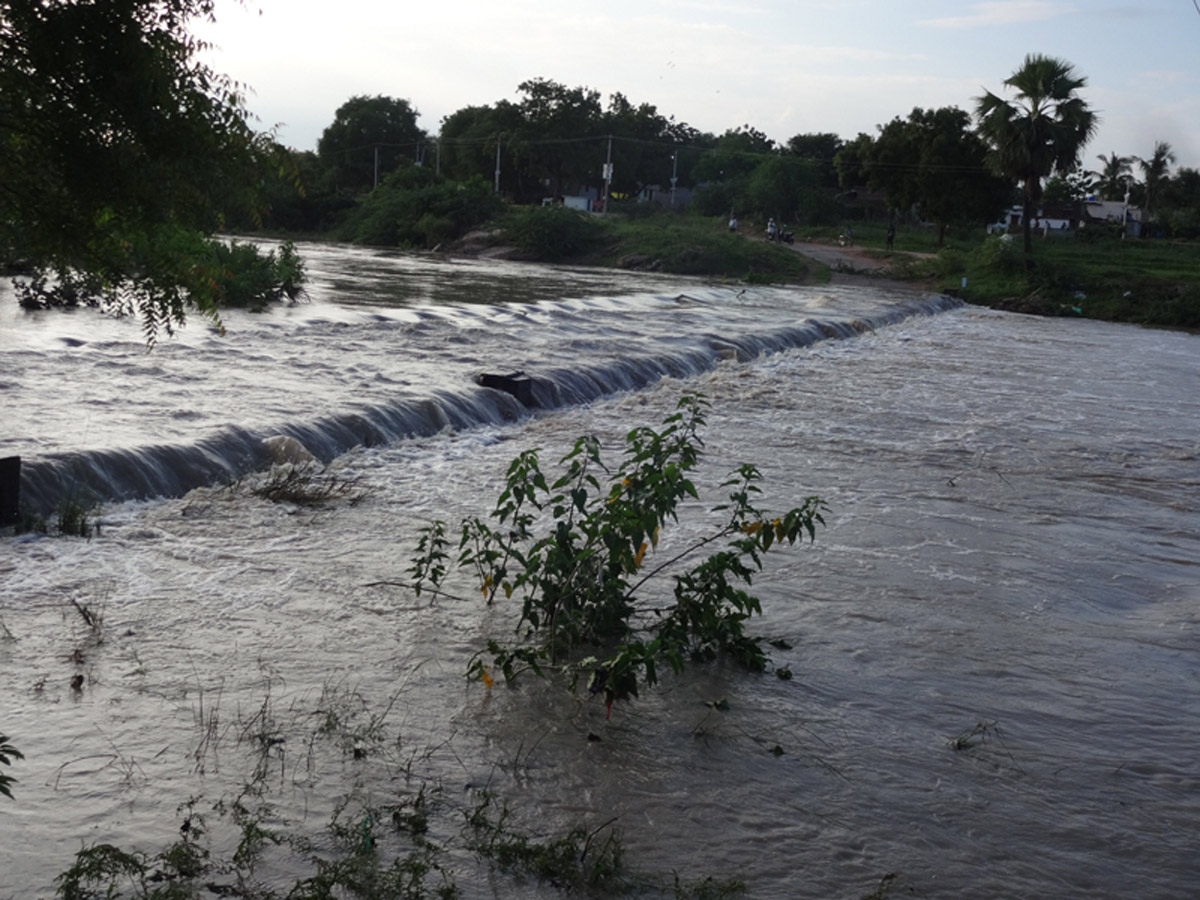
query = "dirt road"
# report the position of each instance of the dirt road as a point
(853, 265)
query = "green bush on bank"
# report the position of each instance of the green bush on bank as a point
(417, 208)
(691, 245)
(641, 236)
(1147, 282)
(552, 232)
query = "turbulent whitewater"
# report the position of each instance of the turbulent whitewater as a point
(1012, 560)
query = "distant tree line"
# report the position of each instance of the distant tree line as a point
(122, 157)
(942, 166)
(553, 141)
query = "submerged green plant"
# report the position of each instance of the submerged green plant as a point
(574, 555)
(708, 888)
(73, 521)
(306, 484)
(7, 754)
(580, 858)
(119, 872)
(246, 276)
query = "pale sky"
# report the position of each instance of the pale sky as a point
(782, 66)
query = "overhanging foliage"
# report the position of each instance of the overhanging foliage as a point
(119, 154)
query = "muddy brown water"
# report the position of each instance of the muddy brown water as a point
(1011, 558)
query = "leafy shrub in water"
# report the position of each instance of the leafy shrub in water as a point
(551, 232)
(574, 555)
(247, 278)
(189, 270)
(7, 754)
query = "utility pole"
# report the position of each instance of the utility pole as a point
(376, 184)
(496, 189)
(608, 173)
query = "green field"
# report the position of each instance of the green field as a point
(1145, 281)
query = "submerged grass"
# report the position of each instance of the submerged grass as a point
(581, 858)
(72, 517)
(415, 843)
(306, 484)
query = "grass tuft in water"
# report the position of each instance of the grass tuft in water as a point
(307, 485)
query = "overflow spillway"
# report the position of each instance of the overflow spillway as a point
(575, 367)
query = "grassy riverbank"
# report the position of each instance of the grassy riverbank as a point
(1148, 282)
(642, 239)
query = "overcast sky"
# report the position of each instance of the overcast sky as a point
(782, 66)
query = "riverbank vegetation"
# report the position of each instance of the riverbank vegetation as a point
(120, 210)
(644, 238)
(1098, 275)
(504, 176)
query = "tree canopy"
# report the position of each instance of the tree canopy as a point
(119, 155)
(1113, 178)
(933, 162)
(556, 139)
(367, 139)
(1155, 171)
(821, 146)
(1043, 129)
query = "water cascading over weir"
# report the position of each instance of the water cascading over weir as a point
(470, 399)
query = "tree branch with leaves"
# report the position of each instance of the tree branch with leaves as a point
(574, 554)
(8, 753)
(120, 155)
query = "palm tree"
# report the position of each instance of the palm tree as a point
(1112, 181)
(1154, 171)
(1042, 130)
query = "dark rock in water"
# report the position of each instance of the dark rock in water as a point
(518, 384)
(10, 490)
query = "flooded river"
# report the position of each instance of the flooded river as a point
(995, 641)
